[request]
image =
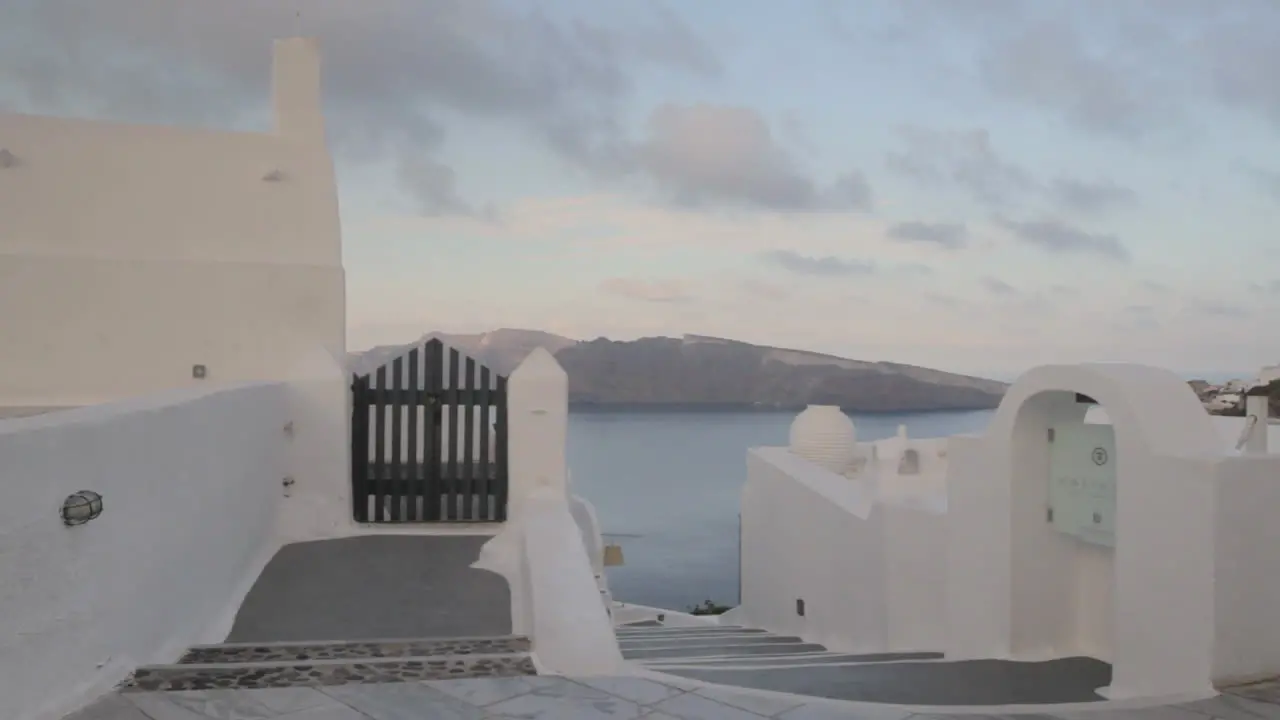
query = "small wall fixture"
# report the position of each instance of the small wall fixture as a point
(613, 555)
(81, 507)
(7, 159)
(199, 372)
(273, 176)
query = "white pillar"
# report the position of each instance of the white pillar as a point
(1256, 412)
(538, 428)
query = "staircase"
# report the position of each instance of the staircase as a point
(294, 664)
(708, 647)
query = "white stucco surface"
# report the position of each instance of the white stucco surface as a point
(550, 550)
(961, 557)
(191, 486)
(131, 253)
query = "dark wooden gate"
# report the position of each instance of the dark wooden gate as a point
(429, 440)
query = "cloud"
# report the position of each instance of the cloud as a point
(962, 158)
(1220, 309)
(1056, 236)
(1267, 180)
(392, 68)
(969, 161)
(996, 286)
(823, 266)
(1131, 68)
(660, 291)
(434, 187)
(948, 235)
(1100, 87)
(762, 289)
(709, 154)
(1084, 197)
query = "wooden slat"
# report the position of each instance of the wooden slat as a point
(380, 443)
(434, 377)
(397, 469)
(500, 487)
(413, 483)
(482, 485)
(467, 486)
(454, 434)
(360, 449)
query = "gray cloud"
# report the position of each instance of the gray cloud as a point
(1091, 197)
(1056, 236)
(391, 68)
(660, 291)
(708, 154)
(964, 158)
(825, 266)
(969, 161)
(1046, 63)
(433, 186)
(996, 286)
(1220, 309)
(1267, 180)
(1137, 317)
(1124, 69)
(948, 235)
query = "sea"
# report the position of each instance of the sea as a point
(666, 486)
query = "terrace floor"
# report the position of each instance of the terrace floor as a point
(618, 698)
(375, 586)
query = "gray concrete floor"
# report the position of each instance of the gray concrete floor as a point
(375, 587)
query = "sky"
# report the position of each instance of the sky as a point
(971, 185)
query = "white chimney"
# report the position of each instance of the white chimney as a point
(296, 96)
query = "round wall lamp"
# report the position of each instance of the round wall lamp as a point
(81, 507)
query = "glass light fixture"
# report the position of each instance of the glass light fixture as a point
(81, 507)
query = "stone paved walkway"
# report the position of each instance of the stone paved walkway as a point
(623, 698)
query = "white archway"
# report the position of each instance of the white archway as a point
(1018, 588)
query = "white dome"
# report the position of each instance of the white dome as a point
(825, 436)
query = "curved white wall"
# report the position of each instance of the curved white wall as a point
(191, 486)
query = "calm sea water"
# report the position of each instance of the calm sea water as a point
(667, 484)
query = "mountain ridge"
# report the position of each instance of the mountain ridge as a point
(706, 372)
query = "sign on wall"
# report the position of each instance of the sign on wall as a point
(1082, 482)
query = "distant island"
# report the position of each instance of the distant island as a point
(706, 373)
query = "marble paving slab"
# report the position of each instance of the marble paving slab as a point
(555, 698)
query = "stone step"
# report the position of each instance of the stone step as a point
(713, 640)
(816, 658)
(690, 650)
(359, 649)
(624, 631)
(343, 671)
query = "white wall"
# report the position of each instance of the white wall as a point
(130, 253)
(810, 534)
(191, 486)
(1247, 569)
(1017, 587)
